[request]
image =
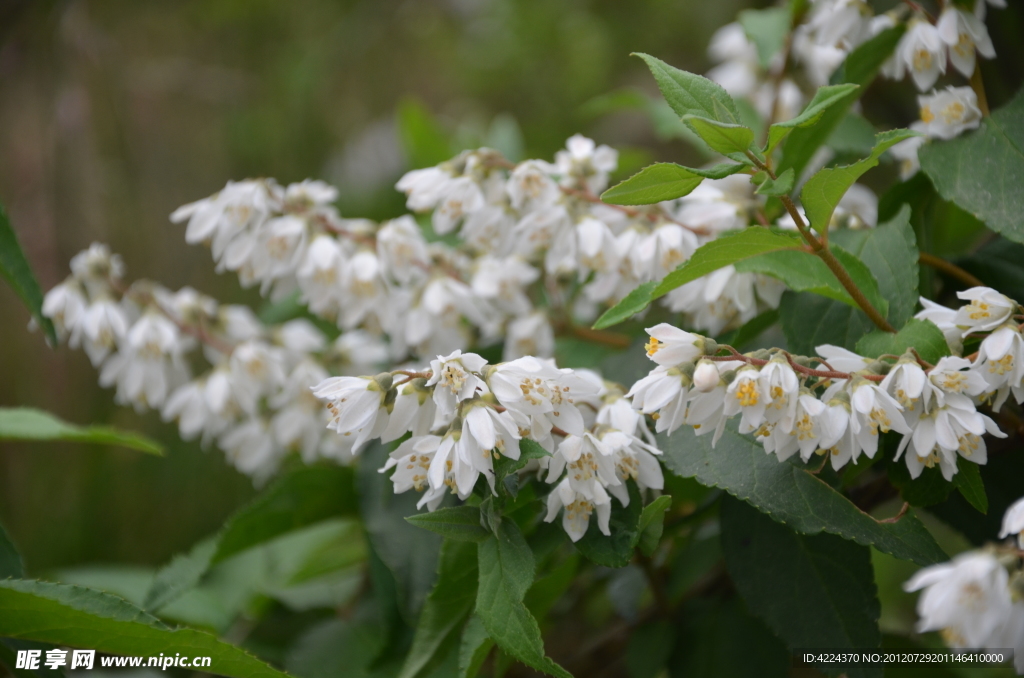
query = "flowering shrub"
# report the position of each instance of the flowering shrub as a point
(806, 395)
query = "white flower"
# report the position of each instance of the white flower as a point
(905, 382)
(250, 447)
(873, 411)
(706, 376)
(584, 161)
(256, 370)
(804, 435)
(748, 396)
(922, 52)
(577, 510)
(590, 465)
(188, 405)
(671, 346)
(634, 460)
(461, 197)
(320, 275)
(309, 193)
(841, 359)
(1013, 522)
(597, 247)
(951, 381)
(414, 411)
(781, 384)
(65, 305)
(356, 405)
(664, 391)
(148, 365)
(858, 208)
(364, 292)
(905, 153)
(988, 310)
(402, 249)
(661, 252)
(943, 433)
(966, 35)
(424, 187)
(530, 185)
(1000, 363)
(838, 439)
(542, 392)
(104, 325)
(948, 113)
(968, 599)
(96, 264)
(944, 318)
(239, 206)
(453, 379)
(279, 247)
(299, 421)
(411, 461)
(502, 280)
(529, 335)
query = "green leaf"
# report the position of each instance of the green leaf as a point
(505, 466)
(460, 523)
(723, 640)
(650, 646)
(630, 305)
(11, 565)
(854, 135)
(982, 171)
(83, 618)
(890, 252)
(812, 591)
(340, 648)
(424, 140)
(824, 190)
(446, 608)
(998, 264)
(778, 187)
(474, 647)
(409, 553)
(725, 250)
(972, 487)
(691, 94)
(860, 68)
(927, 489)
(303, 497)
(506, 572)
(805, 272)
(652, 524)
(725, 138)
(23, 423)
(615, 550)
(791, 494)
(15, 269)
(809, 320)
(922, 335)
(664, 181)
(824, 98)
(767, 29)
(750, 330)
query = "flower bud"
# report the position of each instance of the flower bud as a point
(384, 380)
(710, 346)
(706, 377)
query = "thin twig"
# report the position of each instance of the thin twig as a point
(949, 268)
(896, 518)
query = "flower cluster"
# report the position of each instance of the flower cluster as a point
(840, 408)
(252, 393)
(461, 415)
(832, 29)
(975, 600)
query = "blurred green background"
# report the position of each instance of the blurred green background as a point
(114, 112)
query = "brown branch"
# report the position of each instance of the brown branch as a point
(978, 85)
(896, 518)
(950, 269)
